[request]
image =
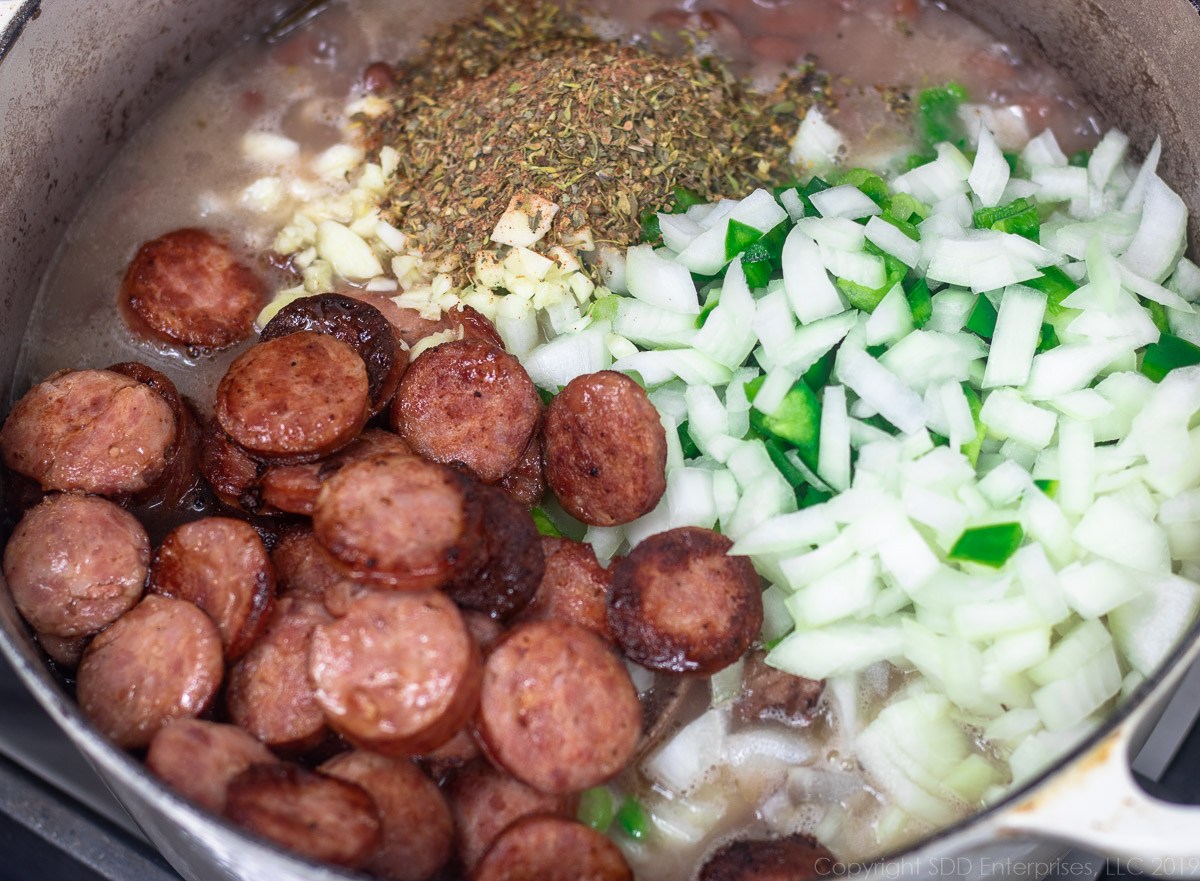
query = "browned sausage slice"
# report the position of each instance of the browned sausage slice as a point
(418, 831)
(75, 564)
(771, 694)
(513, 562)
(91, 431)
(356, 323)
(795, 858)
(229, 469)
(221, 565)
(469, 402)
(306, 811)
(269, 694)
(574, 587)
(65, 651)
(158, 662)
(400, 522)
(411, 327)
(301, 564)
(606, 449)
(294, 488)
(558, 709)
(188, 287)
(527, 481)
(398, 674)
(199, 759)
(548, 848)
(680, 604)
(298, 397)
(484, 800)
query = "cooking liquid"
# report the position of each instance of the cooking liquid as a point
(187, 168)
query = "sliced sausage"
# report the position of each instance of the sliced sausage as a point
(418, 831)
(410, 326)
(302, 565)
(513, 559)
(294, 488)
(398, 674)
(558, 709)
(470, 402)
(176, 486)
(91, 431)
(221, 565)
(356, 323)
(794, 858)
(401, 522)
(189, 288)
(527, 481)
(75, 564)
(771, 694)
(269, 694)
(606, 449)
(297, 397)
(229, 470)
(454, 753)
(475, 325)
(485, 630)
(574, 587)
(484, 800)
(199, 759)
(158, 662)
(306, 811)
(680, 604)
(549, 848)
(65, 651)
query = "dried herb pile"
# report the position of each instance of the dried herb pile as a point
(521, 98)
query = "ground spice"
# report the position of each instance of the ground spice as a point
(522, 99)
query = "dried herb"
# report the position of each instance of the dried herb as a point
(521, 98)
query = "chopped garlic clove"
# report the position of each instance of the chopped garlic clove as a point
(337, 161)
(264, 195)
(530, 264)
(269, 147)
(347, 253)
(817, 144)
(525, 221)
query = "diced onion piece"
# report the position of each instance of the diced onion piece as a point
(1066, 702)
(1115, 532)
(892, 319)
(1096, 588)
(990, 172)
(1148, 628)
(835, 650)
(685, 760)
(892, 241)
(653, 326)
(880, 388)
(660, 282)
(1076, 466)
(833, 451)
(810, 291)
(1106, 158)
(1008, 415)
(1069, 367)
(1060, 184)
(843, 592)
(1137, 191)
(1015, 339)
(348, 253)
(1160, 236)
(845, 201)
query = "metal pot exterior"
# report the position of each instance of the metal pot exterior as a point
(84, 73)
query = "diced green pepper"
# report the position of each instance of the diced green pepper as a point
(546, 395)
(778, 191)
(605, 309)
(938, 109)
(988, 545)
(710, 303)
(1012, 159)
(739, 237)
(1049, 487)
(636, 377)
(1158, 314)
(818, 375)
(983, 318)
(774, 239)
(690, 450)
(597, 808)
(920, 302)
(1056, 285)
(909, 229)
(1047, 338)
(651, 231)
(544, 524)
(814, 496)
(756, 263)
(815, 185)
(796, 480)
(916, 160)
(797, 420)
(631, 817)
(685, 199)
(971, 450)
(868, 182)
(867, 299)
(904, 206)
(1080, 159)
(1018, 217)
(1169, 352)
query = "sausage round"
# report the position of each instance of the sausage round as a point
(794, 858)
(398, 521)
(398, 674)
(484, 800)
(574, 587)
(65, 651)
(306, 811)
(221, 565)
(558, 710)
(301, 565)
(269, 694)
(418, 831)
(410, 326)
(774, 695)
(297, 397)
(469, 402)
(355, 322)
(527, 481)
(158, 662)
(199, 759)
(680, 604)
(228, 469)
(513, 559)
(294, 488)
(91, 431)
(75, 564)
(189, 288)
(549, 848)
(606, 449)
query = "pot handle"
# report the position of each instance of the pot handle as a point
(1096, 803)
